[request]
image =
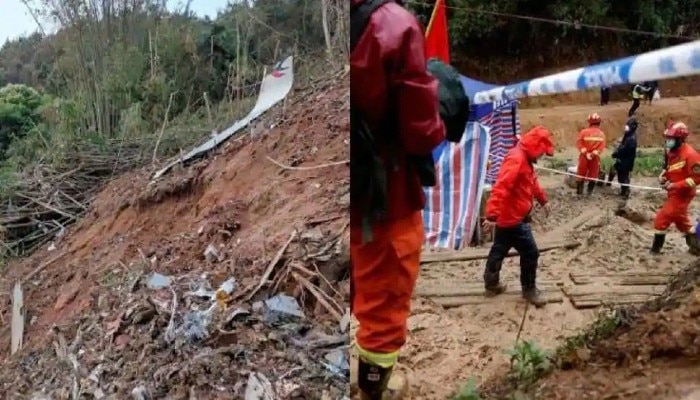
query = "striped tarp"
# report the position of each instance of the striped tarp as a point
(452, 206)
(500, 123)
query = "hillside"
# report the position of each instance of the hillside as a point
(95, 320)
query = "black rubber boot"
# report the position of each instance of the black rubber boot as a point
(591, 186)
(658, 243)
(534, 297)
(492, 284)
(528, 277)
(373, 382)
(611, 176)
(579, 188)
(693, 246)
(625, 192)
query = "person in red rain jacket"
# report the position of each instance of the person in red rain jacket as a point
(590, 143)
(679, 178)
(388, 71)
(509, 207)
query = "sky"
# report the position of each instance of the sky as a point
(16, 20)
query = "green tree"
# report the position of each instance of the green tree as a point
(19, 112)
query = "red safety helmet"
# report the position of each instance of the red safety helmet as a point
(677, 130)
(594, 119)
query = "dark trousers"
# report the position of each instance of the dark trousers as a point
(623, 177)
(635, 106)
(604, 96)
(651, 94)
(518, 237)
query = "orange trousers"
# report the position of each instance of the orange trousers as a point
(674, 211)
(588, 168)
(384, 273)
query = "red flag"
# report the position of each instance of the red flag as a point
(436, 40)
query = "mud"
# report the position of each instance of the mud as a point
(656, 355)
(448, 347)
(87, 299)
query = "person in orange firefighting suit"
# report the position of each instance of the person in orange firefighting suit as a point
(389, 83)
(680, 177)
(590, 144)
(508, 209)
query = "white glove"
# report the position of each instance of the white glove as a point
(589, 156)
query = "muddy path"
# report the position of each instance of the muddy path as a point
(447, 347)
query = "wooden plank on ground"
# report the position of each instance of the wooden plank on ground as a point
(471, 288)
(628, 278)
(612, 290)
(509, 296)
(481, 253)
(592, 302)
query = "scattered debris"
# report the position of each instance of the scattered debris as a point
(259, 387)
(282, 309)
(195, 329)
(338, 363)
(212, 254)
(158, 281)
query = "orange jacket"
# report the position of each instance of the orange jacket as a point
(683, 169)
(511, 197)
(591, 140)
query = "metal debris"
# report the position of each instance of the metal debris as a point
(282, 309)
(141, 393)
(17, 327)
(259, 387)
(212, 254)
(345, 321)
(158, 281)
(337, 362)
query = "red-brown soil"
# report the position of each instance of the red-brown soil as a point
(237, 200)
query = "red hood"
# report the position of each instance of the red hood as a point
(536, 142)
(355, 3)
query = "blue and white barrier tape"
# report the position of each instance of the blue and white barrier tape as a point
(671, 62)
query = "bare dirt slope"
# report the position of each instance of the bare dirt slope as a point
(656, 356)
(88, 309)
(565, 121)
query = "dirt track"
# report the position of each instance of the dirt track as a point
(566, 121)
(469, 341)
(447, 347)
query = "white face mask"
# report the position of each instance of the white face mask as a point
(627, 128)
(670, 143)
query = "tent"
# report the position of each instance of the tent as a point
(453, 205)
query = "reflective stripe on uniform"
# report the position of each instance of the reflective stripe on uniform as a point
(690, 182)
(676, 166)
(384, 360)
(593, 139)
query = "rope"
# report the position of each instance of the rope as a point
(648, 188)
(574, 24)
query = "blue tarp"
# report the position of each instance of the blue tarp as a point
(472, 86)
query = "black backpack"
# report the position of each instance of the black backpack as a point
(368, 178)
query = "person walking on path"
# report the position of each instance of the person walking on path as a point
(680, 178)
(508, 211)
(638, 92)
